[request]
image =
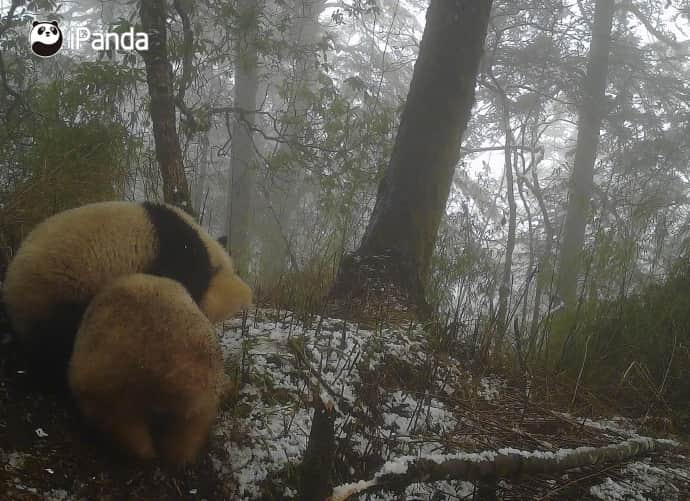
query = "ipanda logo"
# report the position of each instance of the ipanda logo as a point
(46, 39)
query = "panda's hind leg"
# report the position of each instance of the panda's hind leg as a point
(183, 437)
(130, 431)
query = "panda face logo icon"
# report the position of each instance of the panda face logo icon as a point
(45, 38)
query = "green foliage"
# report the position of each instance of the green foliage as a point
(636, 349)
(338, 146)
(65, 145)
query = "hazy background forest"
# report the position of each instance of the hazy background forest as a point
(561, 257)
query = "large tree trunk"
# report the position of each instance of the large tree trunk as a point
(399, 241)
(160, 83)
(242, 176)
(590, 118)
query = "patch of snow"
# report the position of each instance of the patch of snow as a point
(641, 481)
(490, 387)
(404, 414)
(341, 490)
(617, 424)
(56, 495)
(13, 460)
(453, 489)
(275, 423)
(21, 487)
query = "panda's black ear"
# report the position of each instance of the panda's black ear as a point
(55, 23)
(35, 23)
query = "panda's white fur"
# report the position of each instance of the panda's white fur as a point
(147, 368)
(70, 256)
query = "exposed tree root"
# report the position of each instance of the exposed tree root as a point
(379, 286)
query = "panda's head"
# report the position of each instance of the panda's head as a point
(227, 293)
(45, 38)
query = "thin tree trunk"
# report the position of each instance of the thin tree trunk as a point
(160, 84)
(285, 189)
(399, 241)
(589, 125)
(200, 182)
(545, 258)
(242, 177)
(505, 286)
(520, 184)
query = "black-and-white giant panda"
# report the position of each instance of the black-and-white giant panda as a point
(69, 257)
(147, 369)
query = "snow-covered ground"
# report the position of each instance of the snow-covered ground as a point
(642, 480)
(394, 398)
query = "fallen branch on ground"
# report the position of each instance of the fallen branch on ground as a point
(486, 465)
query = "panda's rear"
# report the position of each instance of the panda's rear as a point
(147, 369)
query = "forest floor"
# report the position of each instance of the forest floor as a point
(395, 395)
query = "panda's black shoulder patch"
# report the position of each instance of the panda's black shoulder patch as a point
(182, 254)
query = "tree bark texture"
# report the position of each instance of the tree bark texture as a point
(590, 117)
(399, 240)
(160, 83)
(242, 181)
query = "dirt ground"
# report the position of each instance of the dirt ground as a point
(46, 452)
